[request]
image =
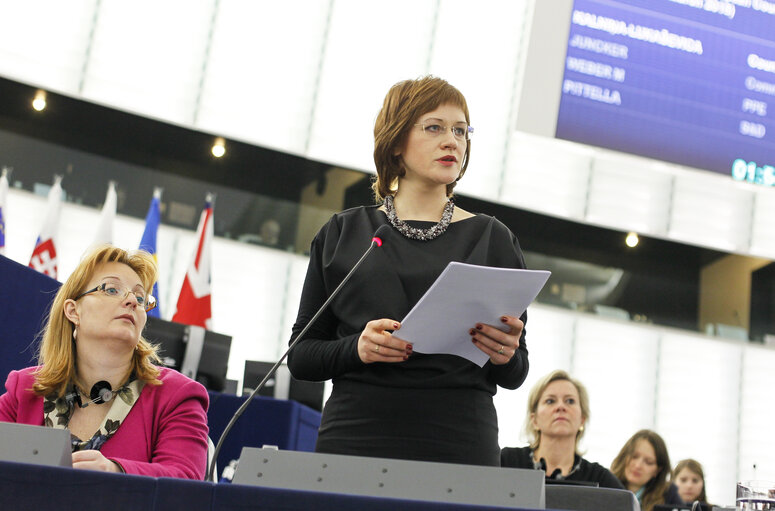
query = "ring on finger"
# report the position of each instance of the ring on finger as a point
(500, 351)
(376, 349)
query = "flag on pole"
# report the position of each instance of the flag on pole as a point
(3, 198)
(148, 241)
(104, 232)
(44, 256)
(193, 306)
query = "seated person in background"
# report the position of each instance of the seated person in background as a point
(690, 480)
(643, 466)
(557, 409)
(96, 376)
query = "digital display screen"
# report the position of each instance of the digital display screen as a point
(686, 81)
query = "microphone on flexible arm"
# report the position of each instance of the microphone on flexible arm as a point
(376, 241)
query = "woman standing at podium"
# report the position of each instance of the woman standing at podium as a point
(97, 378)
(387, 400)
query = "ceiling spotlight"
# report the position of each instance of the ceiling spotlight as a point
(632, 239)
(39, 103)
(219, 147)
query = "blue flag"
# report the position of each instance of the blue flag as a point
(148, 241)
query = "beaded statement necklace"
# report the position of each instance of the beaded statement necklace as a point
(413, 233)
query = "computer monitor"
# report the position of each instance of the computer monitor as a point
(683, 507)
(282, 385)
(568, 482)
(174, 340)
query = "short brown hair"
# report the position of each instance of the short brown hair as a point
(404, 103)
(534, 436)
(56, 355)
(654, 490)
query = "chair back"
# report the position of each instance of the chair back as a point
(210, 453)
(589, 498)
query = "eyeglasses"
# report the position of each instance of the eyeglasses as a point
(147, 302)
(461, 132)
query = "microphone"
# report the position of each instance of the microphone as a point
(376, 241)
(101, 392)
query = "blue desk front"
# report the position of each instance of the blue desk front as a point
(32, 487)
(287, 424)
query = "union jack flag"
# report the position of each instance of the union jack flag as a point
(193, 306)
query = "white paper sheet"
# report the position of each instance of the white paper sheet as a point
(462, 296)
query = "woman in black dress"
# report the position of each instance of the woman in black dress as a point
(388, 401)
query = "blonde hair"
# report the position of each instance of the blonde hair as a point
(56, 354)
(534, 435)
(695, 467)
(654, 490)
(404, 103)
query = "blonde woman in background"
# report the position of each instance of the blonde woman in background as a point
(557, 410)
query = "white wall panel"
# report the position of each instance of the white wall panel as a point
(548, 176)
(463, 54)
(248, 287)
(617, 362)
(757, 415)
(697, 403)
(261, 73)
(44, 42)
(147, 57)
(629, 193)
(711, 211)
(762, 233)
(370, 47)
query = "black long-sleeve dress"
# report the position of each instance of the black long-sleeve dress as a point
(430, 407)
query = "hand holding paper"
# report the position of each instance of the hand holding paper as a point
(463, 295)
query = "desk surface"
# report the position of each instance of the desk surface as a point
(36, 487)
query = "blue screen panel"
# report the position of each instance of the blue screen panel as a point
(686, 81)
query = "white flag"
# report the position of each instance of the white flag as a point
(44, 257)
(104, 233)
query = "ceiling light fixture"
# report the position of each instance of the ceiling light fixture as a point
(632, 239)
(39, 103)
(219, 147)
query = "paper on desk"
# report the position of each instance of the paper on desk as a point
(462, 296)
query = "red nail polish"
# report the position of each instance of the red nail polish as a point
(409, 347)
(504, 319)
(478, 326)
(473, 340)
(396, 325)
(471, 332)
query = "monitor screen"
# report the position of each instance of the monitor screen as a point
(172, 339)
(683, 81)
(282, 385)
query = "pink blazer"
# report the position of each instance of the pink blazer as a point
(164, 435)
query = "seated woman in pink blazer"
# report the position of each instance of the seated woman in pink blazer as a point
(97, 376)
